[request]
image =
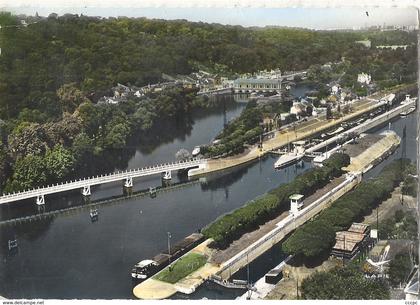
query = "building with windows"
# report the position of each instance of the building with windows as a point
(247, 85)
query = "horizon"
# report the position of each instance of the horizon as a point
(309, 18)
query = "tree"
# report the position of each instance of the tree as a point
(117, 136)
(82, 147)
(329, 112)
(59, 162)
(399, 268)
(28, 172)
(346, 283)
(70, 97)
(182, 155)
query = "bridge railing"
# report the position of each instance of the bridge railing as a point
(111, 176)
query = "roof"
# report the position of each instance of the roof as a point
(296, 197)
(358, 227)
(257, 81)
(145, 263)
(347, 241)
(413, 286)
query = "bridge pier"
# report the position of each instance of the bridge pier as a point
(128, 186)
(167, 175)
(40, 200)
(86, 190)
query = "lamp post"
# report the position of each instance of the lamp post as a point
(169, 245)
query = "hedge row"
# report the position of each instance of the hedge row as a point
(318, 236)
(264, 208)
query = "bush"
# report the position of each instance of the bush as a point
(399, 268)
(260, 210)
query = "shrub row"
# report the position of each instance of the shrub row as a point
(264, 208)
(318, 236)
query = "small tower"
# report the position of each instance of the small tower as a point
(296, 204)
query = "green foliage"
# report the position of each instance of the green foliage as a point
(244, 129)
(70, 97)
(399, 268)
(345, 283)
(59, 162)
(402, 226)
(184, 266)
(231, 226)
(344, 212)
(409, 186)
(29, 171)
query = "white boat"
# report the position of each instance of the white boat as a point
(143, 269)
(195, 151)
(288, 159)
(292, 157)
(338, 130)
(407, 112)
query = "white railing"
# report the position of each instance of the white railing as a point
(106, 178)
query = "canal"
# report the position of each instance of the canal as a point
(68, 256)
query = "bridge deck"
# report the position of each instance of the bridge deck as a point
(111, 177)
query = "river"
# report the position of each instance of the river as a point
(68, 256)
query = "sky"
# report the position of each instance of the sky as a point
(326, 18)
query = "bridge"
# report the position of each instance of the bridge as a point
(84, 184)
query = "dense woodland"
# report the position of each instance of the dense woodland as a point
(53, 71)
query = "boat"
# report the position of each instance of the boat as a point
(408, 111)
(148, 267)
(292, 157)
(195, 151)
(338, 130)
(287, 159)
(152, 192)
(94, 213)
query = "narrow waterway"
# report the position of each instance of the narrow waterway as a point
(68, 256)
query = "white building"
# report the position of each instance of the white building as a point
(246, 85)
(297, 109)
(364, 78)
(367, 43)
(296, 204)
(392, 47)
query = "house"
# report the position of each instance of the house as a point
(351, 242)
(297, 109)
(364, 78)
(367, 43)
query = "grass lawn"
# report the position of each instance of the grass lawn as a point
(183, 266)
